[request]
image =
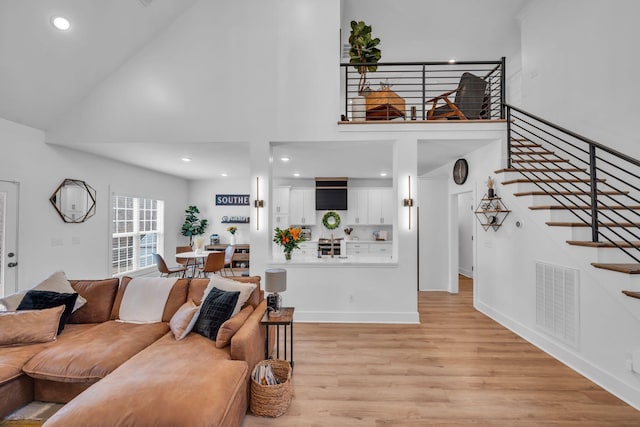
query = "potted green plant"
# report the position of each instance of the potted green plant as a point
(193, 226)
(363, 50)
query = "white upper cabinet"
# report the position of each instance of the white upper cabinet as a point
(358, 206)
(380, 206)
(280, 200)
(302, 210)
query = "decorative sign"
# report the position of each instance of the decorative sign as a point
(232, 200)
(235, 220)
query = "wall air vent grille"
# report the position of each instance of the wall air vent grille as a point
(557, 308)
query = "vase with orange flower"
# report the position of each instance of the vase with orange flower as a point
(288, 238)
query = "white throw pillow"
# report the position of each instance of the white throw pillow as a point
(57, 282)
(229, 285)
(11, 302)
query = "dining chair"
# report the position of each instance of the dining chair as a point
(163, 269)
(190, 263)
(228, 258)
(213, 264)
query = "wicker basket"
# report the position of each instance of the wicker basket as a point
(272, 400)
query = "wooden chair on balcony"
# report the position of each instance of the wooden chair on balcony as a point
(470, 100)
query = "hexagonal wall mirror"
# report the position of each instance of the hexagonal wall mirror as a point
(74, 200)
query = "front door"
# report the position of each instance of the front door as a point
(8, 237)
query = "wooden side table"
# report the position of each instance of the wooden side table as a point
(285, 319)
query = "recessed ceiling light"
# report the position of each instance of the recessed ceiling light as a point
(383, 174)
(186, 159)
(452, 61)
(296, 174)
(224, 174)
(61, 23)
(285, 158)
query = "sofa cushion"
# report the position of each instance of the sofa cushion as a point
(57, 282)
(229, 285)
(185, 318)
(216, 309)
(38, 300)
(171, 383)
(144, 299)
(177, 297)
(100, 295)
(198, 286)
(95, 352)
(29, 326)
(231, 326)
(12, 359)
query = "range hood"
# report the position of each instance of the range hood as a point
(331, 194)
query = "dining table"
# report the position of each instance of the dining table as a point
(198, 258)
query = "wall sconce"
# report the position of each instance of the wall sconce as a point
(258, 203)
(408, 202)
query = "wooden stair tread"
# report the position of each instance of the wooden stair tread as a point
(633, 268)
(631, 293)
(531, 152)
(600, 224)
(550, 170)
(585, 208)
(547, 180)
(569, 193)
(540, 161)
(619, 244)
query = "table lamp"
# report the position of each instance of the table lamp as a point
(275, 281)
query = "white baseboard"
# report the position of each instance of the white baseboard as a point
(357, 317)
(466, 273)
(574, 361)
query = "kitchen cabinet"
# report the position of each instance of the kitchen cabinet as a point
(281, 221)
(302, 206)
(280, 200)
(358, 206)
(356, 248)
(380, 248)
(306, 250)
(380, 206)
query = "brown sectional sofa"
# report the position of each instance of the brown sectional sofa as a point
(115, 373)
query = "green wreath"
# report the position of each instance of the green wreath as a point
(331, 216)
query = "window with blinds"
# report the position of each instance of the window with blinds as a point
(137, 233)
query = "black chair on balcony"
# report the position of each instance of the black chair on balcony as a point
(471, 101)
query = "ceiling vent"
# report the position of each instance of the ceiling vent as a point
(146, 3)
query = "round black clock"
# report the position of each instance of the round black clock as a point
(460, 171)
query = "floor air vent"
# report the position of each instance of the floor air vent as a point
(557, 306)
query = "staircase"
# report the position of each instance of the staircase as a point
(587, 188)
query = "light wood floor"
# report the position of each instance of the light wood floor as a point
(457, 367)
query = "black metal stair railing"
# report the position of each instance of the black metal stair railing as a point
(597, 184)
(417, 82)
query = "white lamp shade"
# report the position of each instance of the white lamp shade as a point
(275, 280)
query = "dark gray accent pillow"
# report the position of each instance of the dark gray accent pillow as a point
(38, 300)
(216, 309)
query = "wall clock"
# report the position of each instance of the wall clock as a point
(460, 171)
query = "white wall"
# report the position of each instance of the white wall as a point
(418, 30)
(434, 239)
(580, 67)
(85, 250)
(202, 193)
(465, 233)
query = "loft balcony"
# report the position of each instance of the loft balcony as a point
(423, 92)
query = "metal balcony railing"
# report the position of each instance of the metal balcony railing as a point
(405, 90)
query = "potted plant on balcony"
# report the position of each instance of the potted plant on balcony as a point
(363, 50)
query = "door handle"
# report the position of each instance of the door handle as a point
(12, 264)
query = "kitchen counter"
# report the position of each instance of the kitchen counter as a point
(359, 260)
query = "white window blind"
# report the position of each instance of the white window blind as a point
(137, 233)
